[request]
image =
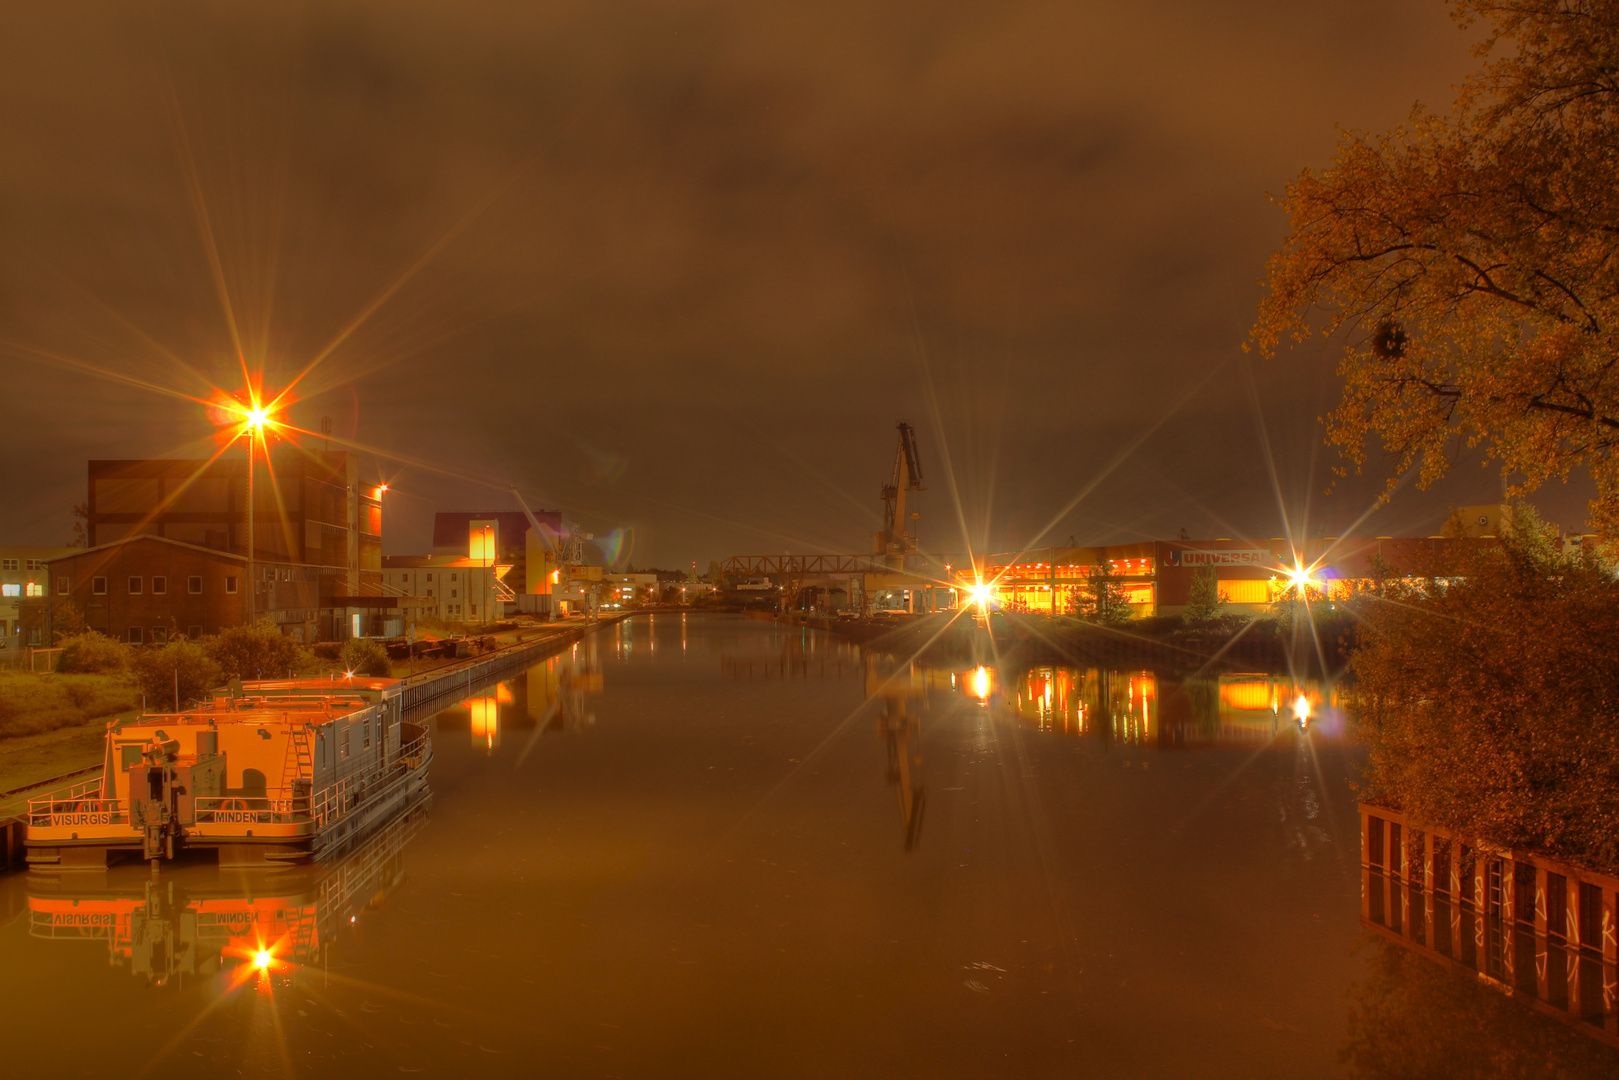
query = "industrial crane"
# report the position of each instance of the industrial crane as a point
(897, 539)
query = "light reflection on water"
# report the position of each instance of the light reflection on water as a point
(715, 846)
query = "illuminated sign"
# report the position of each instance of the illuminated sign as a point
(1241, 557)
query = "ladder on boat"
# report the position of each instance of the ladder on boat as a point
(299, 775)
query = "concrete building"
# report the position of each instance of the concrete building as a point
(312, 516)
(629, 590)
(509, 538)
(24, 577)
(453, 588)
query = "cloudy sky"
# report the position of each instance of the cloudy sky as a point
(678, 268)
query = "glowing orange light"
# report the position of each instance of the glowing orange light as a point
(262, 959)
(1300, 579)
(979, 687)
(1301, 710)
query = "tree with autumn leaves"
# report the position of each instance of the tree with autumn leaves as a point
(1470, 261)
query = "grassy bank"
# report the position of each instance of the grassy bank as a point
(29, 759)
(32, 704)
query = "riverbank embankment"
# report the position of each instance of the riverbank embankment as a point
(1164, 643)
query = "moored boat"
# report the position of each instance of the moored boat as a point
(265, 772)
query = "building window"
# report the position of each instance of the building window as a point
(63, 586)
(33, 588)
(134, 586)
(230, 583)
(429, 577)
(343, 745)
(193, 632)
(135, 635)
(98, 585)
(160, 635)
(160, 586)
(10, 564)
(452, 577)
(36, 564)
(194, 585)
(10, 590)
(475, 609)
(365, 731)
(36, 635)
(453, 594)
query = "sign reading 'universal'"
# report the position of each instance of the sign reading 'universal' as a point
(1240, 557)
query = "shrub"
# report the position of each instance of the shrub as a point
(91, 653)
(1489, 693)
(260, 651)
(181, 668)
(364, 656)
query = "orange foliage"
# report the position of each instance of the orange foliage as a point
(1471, 261)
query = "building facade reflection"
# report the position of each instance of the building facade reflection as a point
(550, 696)
(1144, 708)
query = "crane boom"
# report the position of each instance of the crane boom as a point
(539, 529)
(895, 541)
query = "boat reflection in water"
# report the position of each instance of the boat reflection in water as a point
(268, 923)
(549, 697)
(1527, 935)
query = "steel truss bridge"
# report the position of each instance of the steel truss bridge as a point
(802, 565)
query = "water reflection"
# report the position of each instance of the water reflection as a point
(551, 696)
(269, 923)
(902, 690)
(1535, 937)
(719, 853)
(1142, 707)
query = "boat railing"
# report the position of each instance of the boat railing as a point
(351, 792)
(83, 789)
(71, 807)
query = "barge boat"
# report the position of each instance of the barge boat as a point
(265, 772)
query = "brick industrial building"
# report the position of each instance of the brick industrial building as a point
(168, 548)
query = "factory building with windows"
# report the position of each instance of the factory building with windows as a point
(1157, 575)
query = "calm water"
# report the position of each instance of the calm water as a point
(711, 846)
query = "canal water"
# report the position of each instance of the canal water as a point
(713, 846)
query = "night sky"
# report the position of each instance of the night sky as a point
(678, 268)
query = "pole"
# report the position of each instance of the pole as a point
(177, 688)
(252, 585)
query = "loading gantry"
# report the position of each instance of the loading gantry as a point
(897, 539)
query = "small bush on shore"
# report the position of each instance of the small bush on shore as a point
(260, 651)
(365, 656)
(91, 653)
(181, 669)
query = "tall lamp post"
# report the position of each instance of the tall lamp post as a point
(254, 428)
